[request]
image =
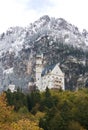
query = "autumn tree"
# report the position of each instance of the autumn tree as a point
(5, 113)
(25, 124)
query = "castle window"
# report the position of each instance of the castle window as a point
(59, 81)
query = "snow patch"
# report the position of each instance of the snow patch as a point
(8, 71)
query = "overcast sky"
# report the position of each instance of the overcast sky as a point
(23, 12)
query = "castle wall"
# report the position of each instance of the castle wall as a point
(52, 79)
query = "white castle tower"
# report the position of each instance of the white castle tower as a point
(39, 68)
(29, 63)
(50, 76)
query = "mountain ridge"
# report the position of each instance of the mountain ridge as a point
(58, 40)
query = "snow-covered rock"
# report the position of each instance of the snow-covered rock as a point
(52, 36)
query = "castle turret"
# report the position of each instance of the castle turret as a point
(30, 63)
(39, 68)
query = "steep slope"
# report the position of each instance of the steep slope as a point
(58, 40)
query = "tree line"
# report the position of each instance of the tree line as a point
(59, 110)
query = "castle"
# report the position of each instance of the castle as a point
(50, 76)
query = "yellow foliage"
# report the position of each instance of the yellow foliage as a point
(5, 110)
(25, 124)
(5, 126)
(73, 125)
(39, 115)
(8, 120)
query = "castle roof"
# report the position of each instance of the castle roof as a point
(47, 69)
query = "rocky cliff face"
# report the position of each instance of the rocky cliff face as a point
(58, 40)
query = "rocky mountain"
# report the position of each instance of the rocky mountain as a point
(58, 40)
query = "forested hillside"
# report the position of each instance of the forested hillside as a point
(50, 110)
